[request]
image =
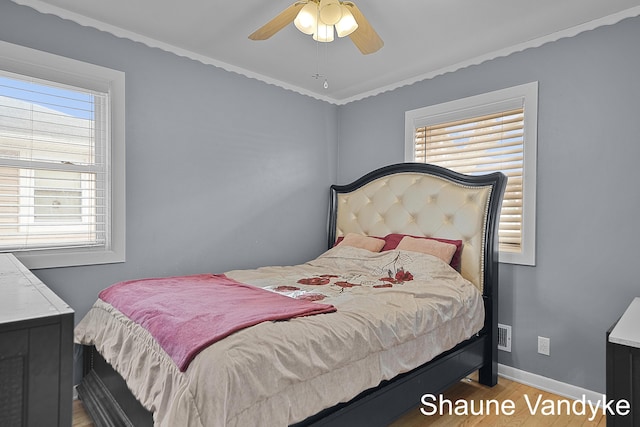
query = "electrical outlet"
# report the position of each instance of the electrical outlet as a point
(543, 345)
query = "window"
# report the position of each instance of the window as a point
(481, 134)
(61, 160)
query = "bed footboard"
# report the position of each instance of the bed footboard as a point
(106, 397)
(110, 403)
(392, 399)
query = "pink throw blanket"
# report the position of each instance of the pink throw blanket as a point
(186, 314)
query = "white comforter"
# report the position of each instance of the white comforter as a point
(288, 370)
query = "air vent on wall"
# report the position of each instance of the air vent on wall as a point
(504, 337)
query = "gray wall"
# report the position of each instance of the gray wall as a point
(223, 171)
(588, 203)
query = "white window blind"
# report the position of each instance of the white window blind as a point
(482, 144)
(495, 131)
(62, 160)
(53, 170)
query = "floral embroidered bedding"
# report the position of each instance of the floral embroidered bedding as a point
(396, 310)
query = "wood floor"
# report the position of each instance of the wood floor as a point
(80, 416)
(470, 390)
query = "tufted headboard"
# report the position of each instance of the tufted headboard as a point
(426, 200)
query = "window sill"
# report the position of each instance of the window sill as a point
(43, 259)
(517, 258)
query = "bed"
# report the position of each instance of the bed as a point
(401, 322)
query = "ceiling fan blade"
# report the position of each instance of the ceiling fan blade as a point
(279, 22)
(365, 37)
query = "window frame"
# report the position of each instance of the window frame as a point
(486, 103)
(43, 65)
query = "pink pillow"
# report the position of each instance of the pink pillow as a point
(372, 244)
(392, 241)
(444, 251)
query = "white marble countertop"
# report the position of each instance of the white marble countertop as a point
(627, 331)
(23, 296)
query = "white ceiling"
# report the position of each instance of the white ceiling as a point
(422, 38)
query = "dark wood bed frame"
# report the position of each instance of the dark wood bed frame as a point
(110, 403)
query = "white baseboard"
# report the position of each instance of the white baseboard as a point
(548, 384)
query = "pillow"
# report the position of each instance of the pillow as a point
(444, 251)
(339, 239)
(392, 241)
(372, 244)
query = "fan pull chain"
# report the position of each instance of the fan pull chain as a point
(317, 75)
(326, 62)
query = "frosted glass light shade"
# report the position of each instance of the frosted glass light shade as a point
(347, 24)
(330, 11)
(324, 33)
(306, 19)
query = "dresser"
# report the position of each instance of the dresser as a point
(36, 350)
(623, 365)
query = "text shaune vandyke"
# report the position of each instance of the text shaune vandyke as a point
(535, 405)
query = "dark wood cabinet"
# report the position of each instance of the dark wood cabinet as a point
(623, 366)
(36, 350)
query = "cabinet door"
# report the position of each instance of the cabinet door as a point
(623, 382)
(14, 350)
(30, 376)
(44, 373)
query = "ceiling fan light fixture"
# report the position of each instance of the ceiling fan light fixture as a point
(347, 23)
(306, 19)
(324, 33)
(343, 15)
(330, 11)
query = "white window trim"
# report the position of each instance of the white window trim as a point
(31, 62)
(485, 104)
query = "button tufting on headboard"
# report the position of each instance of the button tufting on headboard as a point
(423, 205)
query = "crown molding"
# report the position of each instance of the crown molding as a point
(46, 8)
(85, 21)
(570, 32)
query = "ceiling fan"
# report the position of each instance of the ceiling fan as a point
(319, 18)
